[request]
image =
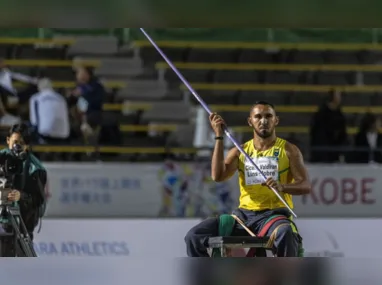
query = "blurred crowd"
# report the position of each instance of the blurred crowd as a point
(74, 116)
(330, 141)
(57, 117)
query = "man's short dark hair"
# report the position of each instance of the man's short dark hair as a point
(265, 103)
(21, 129)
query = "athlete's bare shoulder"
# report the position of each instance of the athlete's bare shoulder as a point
(233, 152)
(296, 160)
(292, 150)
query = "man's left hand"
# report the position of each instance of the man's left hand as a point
(271, 183)
(14, 196)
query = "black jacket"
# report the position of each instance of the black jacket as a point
(31, 183)
(328, 129)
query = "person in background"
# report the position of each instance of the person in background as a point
(328, 129)
(28, 187)
(6, 119)
(15, 101)
(49, 115)
(367, 140)
(89, 96)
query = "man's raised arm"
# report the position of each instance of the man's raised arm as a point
(221, 169)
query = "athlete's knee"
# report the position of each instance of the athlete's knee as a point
(190, 236)
(286, 231)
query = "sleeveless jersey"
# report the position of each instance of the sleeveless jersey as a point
(274, 163)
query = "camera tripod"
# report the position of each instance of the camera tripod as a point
(15, 229)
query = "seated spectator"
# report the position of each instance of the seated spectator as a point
(89, 97)
(367, 141)
(6, 119)
(7, 77)
(328, 130)
(49, 115)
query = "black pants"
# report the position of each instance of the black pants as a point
(286, 243)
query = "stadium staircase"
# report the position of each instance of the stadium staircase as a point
(230, 69)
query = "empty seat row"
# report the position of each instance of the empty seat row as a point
(277, 77)
(149, 55)
(287, 98)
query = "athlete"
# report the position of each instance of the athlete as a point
(283, 165)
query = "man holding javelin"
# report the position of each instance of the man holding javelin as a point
(283, 165)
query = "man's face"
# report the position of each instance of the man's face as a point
(337, 98)
(82, 75)
(263, 119)
(16, 138)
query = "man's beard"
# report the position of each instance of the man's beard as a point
(263, 133)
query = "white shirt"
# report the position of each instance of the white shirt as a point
(372, 139)
(9, 120)
(6, 77)
(49, 113)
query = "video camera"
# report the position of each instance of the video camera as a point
(11, 164)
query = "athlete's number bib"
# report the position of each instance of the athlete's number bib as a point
(268, 165)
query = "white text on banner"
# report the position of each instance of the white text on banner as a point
(113, 238)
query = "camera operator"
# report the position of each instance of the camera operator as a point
(28, 184)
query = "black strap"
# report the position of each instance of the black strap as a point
(25, 172)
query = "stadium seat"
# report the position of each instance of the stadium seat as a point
(150, 56)
(294, 119)
(372, 78)
(169, 112)
(306, 57)
(219, 97)
(90, 46)
(351, 99)
(370, 57)
(191, 75)
(283, 77)
(183, 136)
(335, 78)
(276, 98)
(143, 90)
(255, 56)
(57, 74)
(210, 55)
(341, 57)
(117, 68)
(236, 76)
(308, 98)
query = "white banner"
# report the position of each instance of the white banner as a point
(113, 238)
(186, 190)
(165, 238)
(341, 237)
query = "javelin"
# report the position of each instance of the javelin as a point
(205, 106)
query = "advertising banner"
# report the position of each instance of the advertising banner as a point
(113, 238)
(342, 191)
(176, 189)
(165, 238)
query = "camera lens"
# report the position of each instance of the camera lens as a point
(17, 147)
